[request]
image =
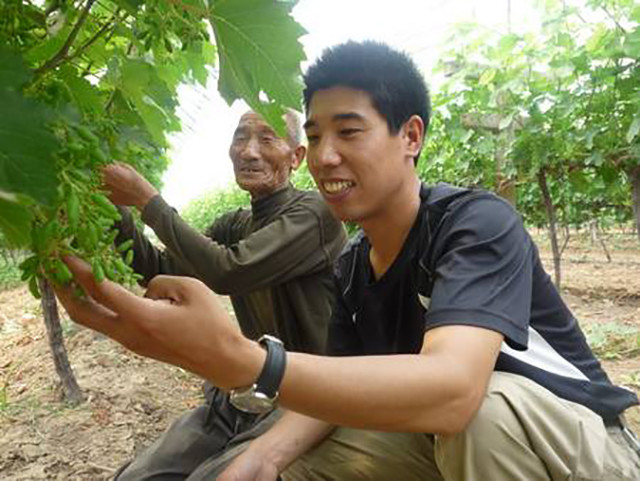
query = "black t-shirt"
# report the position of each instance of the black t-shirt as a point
(469, 261)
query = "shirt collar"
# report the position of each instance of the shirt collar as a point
(265, 206)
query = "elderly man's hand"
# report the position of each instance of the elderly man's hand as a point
(250, 467)
(179, 321)
(126, 186)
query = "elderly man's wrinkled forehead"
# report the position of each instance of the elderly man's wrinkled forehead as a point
(292, 121)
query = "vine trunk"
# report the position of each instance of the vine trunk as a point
(70, 388)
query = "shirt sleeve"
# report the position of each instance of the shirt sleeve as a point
(483, 271)
(148, 260)
(293, 245)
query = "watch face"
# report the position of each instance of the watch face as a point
(251, 401)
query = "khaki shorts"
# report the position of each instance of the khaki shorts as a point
(522, 432)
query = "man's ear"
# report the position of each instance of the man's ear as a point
(413, 134)
(298, 156)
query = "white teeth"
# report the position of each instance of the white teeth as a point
(337, 186)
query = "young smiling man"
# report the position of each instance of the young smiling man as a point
(454, 357)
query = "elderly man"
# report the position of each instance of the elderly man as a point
(274, 261)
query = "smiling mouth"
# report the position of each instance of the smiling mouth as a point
(249, 170)
(336, 187)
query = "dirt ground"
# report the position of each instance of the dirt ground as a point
(130, 400)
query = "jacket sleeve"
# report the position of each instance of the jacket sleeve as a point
(297, 243)
(148, 260)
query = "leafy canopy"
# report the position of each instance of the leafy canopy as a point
(85, 83)
(563, 101)
(118, 63)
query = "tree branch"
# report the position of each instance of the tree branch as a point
(604, 8)
(87, 69)
(582, 19)
(617, 157)
(112, 22)
(60, 56)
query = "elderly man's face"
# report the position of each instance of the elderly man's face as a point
(262, 161)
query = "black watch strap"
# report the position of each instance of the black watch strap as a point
(268, 382)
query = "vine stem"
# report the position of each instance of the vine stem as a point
(61, 54)
(70, 388)
(614, 19)
(109, 23)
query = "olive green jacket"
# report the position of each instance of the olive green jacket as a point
(274, 261)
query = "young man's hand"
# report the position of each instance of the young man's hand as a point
(126, 186)
(179, 321)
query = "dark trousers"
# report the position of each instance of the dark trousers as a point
(199, 444)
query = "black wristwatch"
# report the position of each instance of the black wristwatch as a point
(262, 396)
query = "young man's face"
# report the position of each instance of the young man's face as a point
(262, 161)
(356, 163)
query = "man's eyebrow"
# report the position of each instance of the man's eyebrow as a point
(345, 116)
(348, 116)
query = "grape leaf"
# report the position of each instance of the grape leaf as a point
(12, 70)
(260, 55)
(26, 145)
(198, 56)
(27, 148)
(487, 77)
(86, 95)
(49, 45)
(154, 101)
(634, 129)
(632, 43)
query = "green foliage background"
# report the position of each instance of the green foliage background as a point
(562, 103)
(9, 271)
(202, 211)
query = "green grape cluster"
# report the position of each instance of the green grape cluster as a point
(81, 223)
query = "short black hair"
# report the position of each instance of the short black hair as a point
(390, 77)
